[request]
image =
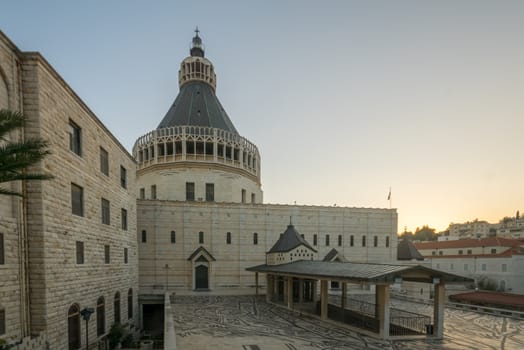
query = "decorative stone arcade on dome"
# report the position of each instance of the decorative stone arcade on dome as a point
(196, 154)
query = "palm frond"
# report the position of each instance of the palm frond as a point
(9, 121)
(17, 156)
(4, 191)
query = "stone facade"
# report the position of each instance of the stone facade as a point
(159, 220)
(56, 280)
(12, 230)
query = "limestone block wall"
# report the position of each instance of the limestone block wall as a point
(57, 281)
(170, 182)
(11, 269)
(158, 219)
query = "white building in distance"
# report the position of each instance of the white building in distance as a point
(495, 263)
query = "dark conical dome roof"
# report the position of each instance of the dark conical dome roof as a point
(289, 240)
(407, 251)
(197, 104)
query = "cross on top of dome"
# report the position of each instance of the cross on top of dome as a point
(198, 48)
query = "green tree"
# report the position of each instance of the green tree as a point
(17, 156)
(425, 233)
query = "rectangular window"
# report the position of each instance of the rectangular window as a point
(144, 236)
(466, 267)
(387, 242)
(2, 254)
(433, 253)
(142, 193)
(253, 198)
(228, 238)
(153, 191)
(440, 252)
(340, 240)
(243, 196)
(105, 212)
(493, 251)
(351, 241)
(460, 252)
(123, 177)
(315, 239)
(104, 161)
(190, 191)
(79, 252)
(2, 321)
(363, 241)
(327, 240)
(470, 251)
(107, 257)
(75, 138)
(504, 268)
(124, 219)
(201, 237)
(125, 256)
(173, 237)
(255, 238)
(483, 267)
(77, 200)
(210, 192)
(451, 267)
(375, 241)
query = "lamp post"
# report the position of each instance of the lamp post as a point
(86, 315)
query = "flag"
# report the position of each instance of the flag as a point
(389, 195)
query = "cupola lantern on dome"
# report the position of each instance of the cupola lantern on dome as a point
(197, 49)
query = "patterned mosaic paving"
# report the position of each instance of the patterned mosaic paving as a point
(246, 323)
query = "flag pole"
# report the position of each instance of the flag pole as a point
(389, 197)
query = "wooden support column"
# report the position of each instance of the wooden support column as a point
(438, 310)
(289, 289)
(323, 299)
(344, 295)
(269, 287)
(256, 284)
(276, 281)
(382, 309)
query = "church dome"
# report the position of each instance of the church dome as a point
(196, 145)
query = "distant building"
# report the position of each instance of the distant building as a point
(495, 263)
(474, 229)
(510, 227)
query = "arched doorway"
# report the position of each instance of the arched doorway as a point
(201, 277)
(202, 270)
(73, 327)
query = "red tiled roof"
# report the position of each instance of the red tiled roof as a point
(492, 298)
(470, 243)
(505, 254)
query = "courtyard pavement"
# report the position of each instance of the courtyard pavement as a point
(249, 323)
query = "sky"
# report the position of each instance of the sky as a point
(344, 99)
